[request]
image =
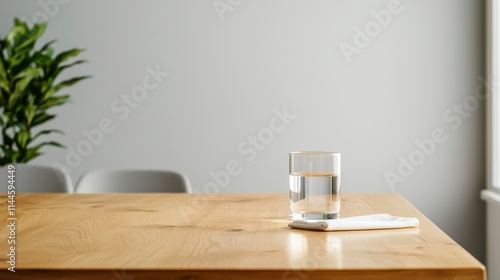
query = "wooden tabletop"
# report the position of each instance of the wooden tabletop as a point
(224, 236)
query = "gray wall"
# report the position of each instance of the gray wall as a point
(230, 69)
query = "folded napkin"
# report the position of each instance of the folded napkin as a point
(376, 221)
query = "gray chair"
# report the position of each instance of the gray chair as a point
(36, 179)
(133, 181)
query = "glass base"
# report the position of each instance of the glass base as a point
(313, 216)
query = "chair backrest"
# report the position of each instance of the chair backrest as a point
(133, 181)
(36, 179)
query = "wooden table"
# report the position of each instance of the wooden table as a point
(225, 236)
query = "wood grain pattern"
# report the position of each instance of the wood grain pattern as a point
(236, 236)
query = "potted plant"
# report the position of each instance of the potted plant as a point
(29, 88)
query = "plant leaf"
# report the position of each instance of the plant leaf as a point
(70, 82)
(13, 100)
(3, 75)
(62, 68)
(16, 59)
(3, 95)
(14, 156)
(46, 131)
(54, 101)
(41, 118)
(17, 125)
(29, 111)
(15, 33)
(65, 55)
(47, 45)
(32, 35)
(22, 80)
(51, 143)
(62, 85)
(22, 139)
(39, 60)
(31, 154)
(30, 72)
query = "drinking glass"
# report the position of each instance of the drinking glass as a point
(314, 185)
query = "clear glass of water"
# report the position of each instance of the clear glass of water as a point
(314, 185)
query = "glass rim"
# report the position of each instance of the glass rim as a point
(315, 153)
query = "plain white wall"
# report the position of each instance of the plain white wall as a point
(231, 69)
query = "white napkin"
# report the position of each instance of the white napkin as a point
(376, 221)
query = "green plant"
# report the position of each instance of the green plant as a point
(28, 89)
